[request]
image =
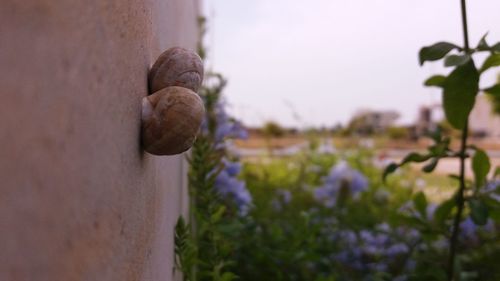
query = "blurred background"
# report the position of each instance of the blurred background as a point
(347, 68)
(319, 63)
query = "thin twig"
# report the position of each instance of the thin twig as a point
(463, 149)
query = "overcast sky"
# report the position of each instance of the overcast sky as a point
(316, 62)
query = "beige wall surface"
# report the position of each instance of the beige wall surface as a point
(79, 199)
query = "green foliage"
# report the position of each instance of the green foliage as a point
(481, 166)
(436, 80)
(210, 214)
(456, 60)
(492, 61)
(459, 94)
(398, 133)
(493, 90)
(273, 129)
(292, 240)
(420, 203)
(391, 168)
(440, 149)
(201, 248)
(444, 210)
(483, 45)
(479, 211)
(286, 240)
(185, 250)
(292, 233)
(460, 89)
(436, 51)
(494, 96)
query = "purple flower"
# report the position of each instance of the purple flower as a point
(441, 244)
(227, 127)
(232, 168)
(430, 210)
(385, 227)
(468, 229)
(285, 195)
(408, 208)
(410, 235)
(228, 185)
(341, 181)
(493, 189)
(348, 237)
(326, 147)
(489, 227)
(397, 250)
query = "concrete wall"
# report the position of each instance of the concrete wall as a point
(79, 199)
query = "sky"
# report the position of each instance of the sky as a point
(317, 62)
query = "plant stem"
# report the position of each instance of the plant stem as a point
(460, 200)
(464, 26)
(460, 206)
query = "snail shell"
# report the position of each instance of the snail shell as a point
(171, 118)
(176, 67)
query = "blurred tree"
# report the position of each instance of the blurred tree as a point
(272, 129)
(398, 132)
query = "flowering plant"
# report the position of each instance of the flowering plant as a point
(327, 216)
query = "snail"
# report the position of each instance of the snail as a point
(176, 67)
(172, 115)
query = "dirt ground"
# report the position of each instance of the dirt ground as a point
(392, 149)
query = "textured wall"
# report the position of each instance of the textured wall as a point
(79, 200)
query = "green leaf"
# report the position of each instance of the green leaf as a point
(479, 212)
(228, 276)
(496, 47)
(494, 90)
(215, 217)
(491, 201)
(436, 51)
(431, 166)
(481, 166)
(497, 172)
(443, 211)
(391, 168)
(455, 60)
(483, 45)
(492, 61)
(440, 149)
(436, 80)
(435, 273)
(459, 94)
(415, 157)
(421, 204)
(437, 135)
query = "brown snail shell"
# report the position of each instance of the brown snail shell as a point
(176, 67)
(171, 119)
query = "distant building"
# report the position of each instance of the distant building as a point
(483, 122)
(371, 121)
(428, 119)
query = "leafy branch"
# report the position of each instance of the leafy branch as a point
(459, 90)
